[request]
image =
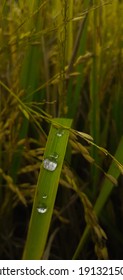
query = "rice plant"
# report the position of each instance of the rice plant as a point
(61, 159)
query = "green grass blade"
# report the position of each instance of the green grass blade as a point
(70, 30)
(94, 94)
(103, 196)
(79, 48)
(29, 78)
(107, 185)
(46, 192)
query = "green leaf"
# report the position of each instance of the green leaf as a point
(106, 190)
(46, 190)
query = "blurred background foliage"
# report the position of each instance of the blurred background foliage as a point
(61, 58)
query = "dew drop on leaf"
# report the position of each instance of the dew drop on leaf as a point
(60, 132)
(44, 196)
(42, 208)
(54, 156)
(50, 163)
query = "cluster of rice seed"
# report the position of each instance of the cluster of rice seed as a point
(98, 235)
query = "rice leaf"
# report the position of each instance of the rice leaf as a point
(106, 190)
(46, 191)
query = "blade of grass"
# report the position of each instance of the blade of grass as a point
(29, 79)
(79, 47)
(62, 39)
(70, 30)
(94, 93)
(46, 192)
(106, 190)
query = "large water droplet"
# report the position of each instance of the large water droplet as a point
(50, 163)
(60, 132)
(42, 208)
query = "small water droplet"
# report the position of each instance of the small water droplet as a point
(50, 163)
(54, 156)
(42, 208)
(60, 132)
(44, 196)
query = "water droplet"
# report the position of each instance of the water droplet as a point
(44, 196)
(50, 163)
(60, 132)
(54, 156)
(42, 208)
